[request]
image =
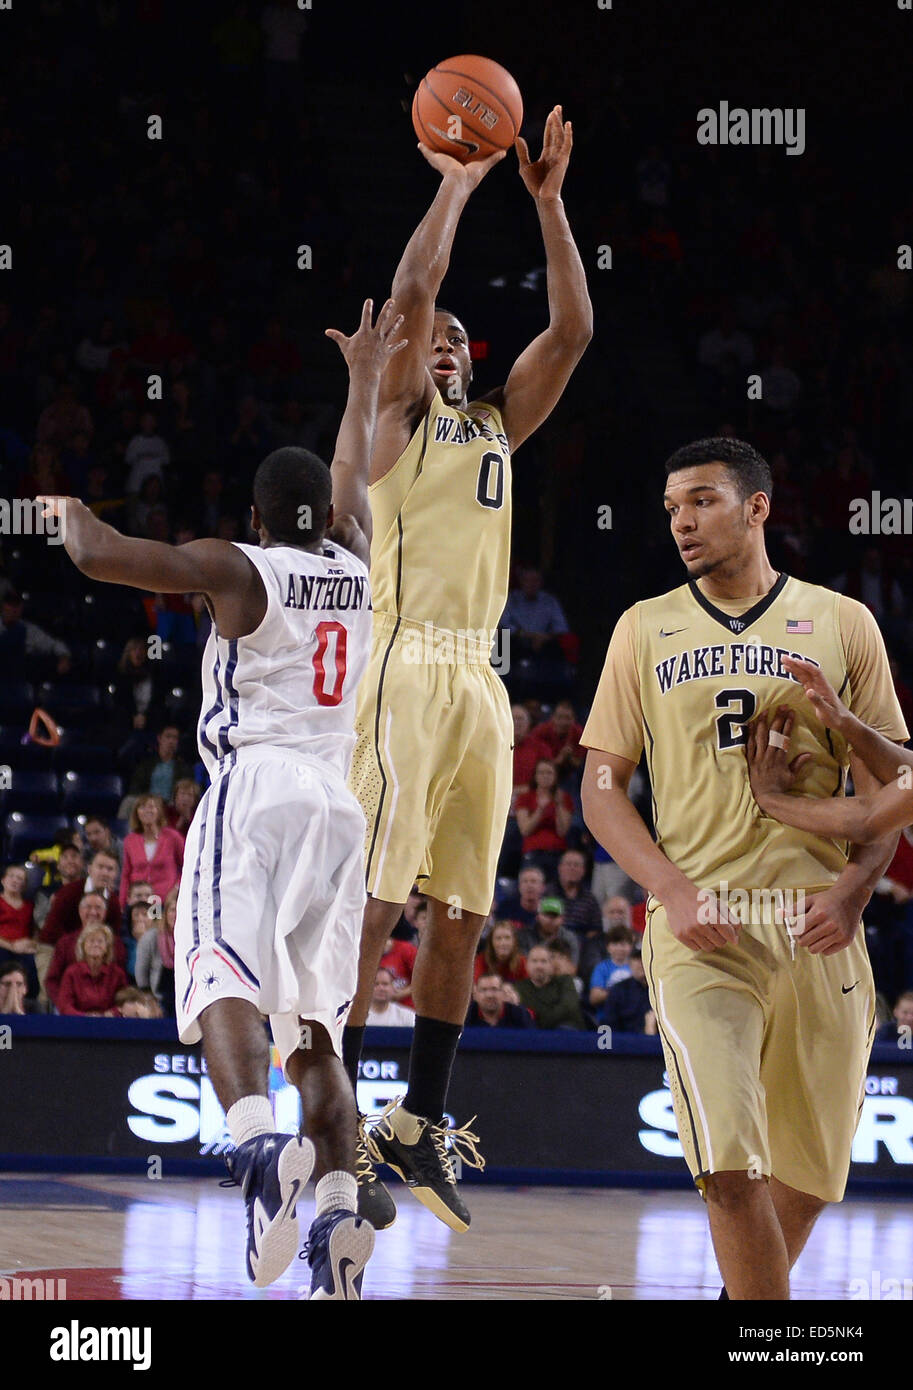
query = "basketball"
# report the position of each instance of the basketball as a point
(467, 107)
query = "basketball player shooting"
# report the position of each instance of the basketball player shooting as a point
(777, 786)
(756, 965)
(432, 764)
(272, 891)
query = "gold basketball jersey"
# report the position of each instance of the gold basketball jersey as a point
(441, 516)
(704, 672)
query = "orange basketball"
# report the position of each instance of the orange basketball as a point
(467, 107)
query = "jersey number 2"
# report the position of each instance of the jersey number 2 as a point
(326, 633)
(730, 727)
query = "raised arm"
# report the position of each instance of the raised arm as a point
(541, 372)
(407, 387)
(368, 355)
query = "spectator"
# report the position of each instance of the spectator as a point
(580, 909)
(899, 1028)
(565, 965)
(501, 954)
(22, 643)
(90, 984)
(489, 1008)
(551, 999)
(550, 931)
(138, 690)
(63, 916)
(615, 967)
(139, 926)
(528, 748)
(384, 1011)
(98, 835)
(544, 815)
(46, 477)
(154, 963)
(535, 618)
(147, 452)
(13, 990)
(595, 949)
(159, 775)
(16, 925)
(399, 959)
(68, 869)
(91, 908)
(137, 1003)
(561, 735)
(627, 1005)
(64, 417)
(152, 850)
(183, 805)
(522, 908)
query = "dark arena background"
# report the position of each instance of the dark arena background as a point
(191, 194)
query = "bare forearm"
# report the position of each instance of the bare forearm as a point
(351, 464)
(615, 822)
(570, 310)
(883, 758)
(841, 818)
(867, 864)
(427, 255)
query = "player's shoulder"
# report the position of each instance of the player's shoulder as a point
(336, 554)
(660, 609)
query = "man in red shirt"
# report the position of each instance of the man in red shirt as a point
(16, 944)
(63, 916)
(528, 748)
(561, 735)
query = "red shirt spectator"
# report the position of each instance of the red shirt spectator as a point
(544, 815)
(15, 912)
(90, 984)
(65, 956)
(501, 954)
(528, 749)
(82, 992)
(399, 959)
(561, 735)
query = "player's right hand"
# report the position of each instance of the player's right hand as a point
(471, 174)
(371, 348)
(829, 707)
(700, 920)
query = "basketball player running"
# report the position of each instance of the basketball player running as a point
(432, 764)
(774, 775)
(271, 897)
(766, 1033)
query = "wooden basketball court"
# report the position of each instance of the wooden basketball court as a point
(184, 1238)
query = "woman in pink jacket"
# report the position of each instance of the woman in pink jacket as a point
(153, 853)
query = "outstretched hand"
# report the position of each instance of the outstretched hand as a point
(544, 176)
(828, 705)
(767, 750)
(471, 174)
(371, 348)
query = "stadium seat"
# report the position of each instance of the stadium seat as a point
(23, 833)
(17, 700)
(68, 702)
(86, 792)
(27, 757)
(75, 756)
(35, 793)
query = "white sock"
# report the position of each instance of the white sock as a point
(406, 1127)
(248, 1117)
(336, 1192)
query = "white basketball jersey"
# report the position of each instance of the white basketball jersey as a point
(292, 682)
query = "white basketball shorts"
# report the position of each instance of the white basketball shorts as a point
(272, 895)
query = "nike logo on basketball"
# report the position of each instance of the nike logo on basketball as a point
(673, 632)
(845, 989)
(469, 145)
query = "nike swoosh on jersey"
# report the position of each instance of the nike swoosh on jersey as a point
(845, 989)
(469, 145)
(673, 632)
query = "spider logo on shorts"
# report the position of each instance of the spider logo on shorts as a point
(212, 980)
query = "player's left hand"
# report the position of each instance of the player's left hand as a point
(544, 176)
(828, 923)
(769, 766)
(371, 347)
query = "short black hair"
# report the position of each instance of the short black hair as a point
(292, 486)
(750, 471)
(438, 309)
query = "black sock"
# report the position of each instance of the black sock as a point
(353, 1040)
(724, 1297)
(434, 1046)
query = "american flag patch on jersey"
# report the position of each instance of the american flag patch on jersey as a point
(799, 627)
